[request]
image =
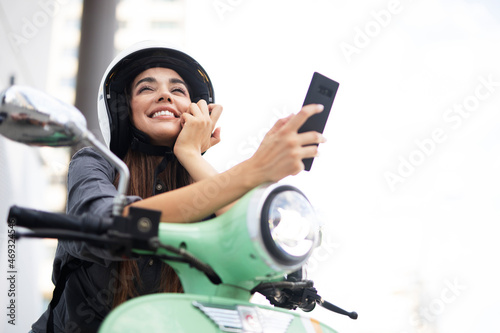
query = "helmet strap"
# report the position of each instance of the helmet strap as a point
(140, 142)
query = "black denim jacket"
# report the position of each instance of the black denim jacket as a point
(89, 291)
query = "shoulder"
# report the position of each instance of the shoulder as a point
(87, 154)
(88, 161)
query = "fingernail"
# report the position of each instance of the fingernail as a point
(320, 107)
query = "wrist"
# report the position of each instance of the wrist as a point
(197, 166)
(186, 155)
(250, 174)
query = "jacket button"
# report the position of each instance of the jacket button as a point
(159, 187)
(151, 262)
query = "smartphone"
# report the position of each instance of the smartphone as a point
(322, 90)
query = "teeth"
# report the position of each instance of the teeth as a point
(162, 113)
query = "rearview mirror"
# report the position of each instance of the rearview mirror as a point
(34, 118)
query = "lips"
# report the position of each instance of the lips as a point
(164, 112)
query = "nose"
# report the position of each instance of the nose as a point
(164, 95)
(163, 98)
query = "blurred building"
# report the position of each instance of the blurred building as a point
(150, 19)
(136, 21)
(63, 49)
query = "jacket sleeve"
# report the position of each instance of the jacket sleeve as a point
(90, 190)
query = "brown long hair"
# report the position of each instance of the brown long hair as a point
(142, 180)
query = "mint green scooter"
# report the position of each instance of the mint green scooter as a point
(259, 246)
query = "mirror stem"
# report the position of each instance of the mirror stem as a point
(120, 199)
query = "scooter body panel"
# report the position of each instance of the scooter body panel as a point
(200, 313)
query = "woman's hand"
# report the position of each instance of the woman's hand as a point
(198, 132)
(281, 152)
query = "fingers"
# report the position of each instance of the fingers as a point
(300, 118)
(292, 123)
(309, 138)
(310, 151)
(201, 118)
(283, 149)
(280, 123)
(185, 117)
(192, 111)
(215, 138)
(201, 108)
(198, 109)
(215, 111)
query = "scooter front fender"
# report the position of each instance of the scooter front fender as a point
(198, 313)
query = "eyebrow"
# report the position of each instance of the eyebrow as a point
(153, 80)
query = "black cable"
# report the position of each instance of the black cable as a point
(189, 259)
(171, 258)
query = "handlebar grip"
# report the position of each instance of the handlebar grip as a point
(36, 219)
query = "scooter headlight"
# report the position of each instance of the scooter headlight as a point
(289, 226)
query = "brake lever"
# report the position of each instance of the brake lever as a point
(311, 294)
(301, 294)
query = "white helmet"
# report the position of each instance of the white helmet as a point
(112, 101)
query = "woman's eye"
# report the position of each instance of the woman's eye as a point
(141, 89)
(179, 90)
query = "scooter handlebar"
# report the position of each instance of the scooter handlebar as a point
(35, 219)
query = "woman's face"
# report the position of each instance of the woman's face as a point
(158, 97)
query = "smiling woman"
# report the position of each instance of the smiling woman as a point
(159, 96)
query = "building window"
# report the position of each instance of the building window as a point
(161, 25)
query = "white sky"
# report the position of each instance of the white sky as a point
(390, 252)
